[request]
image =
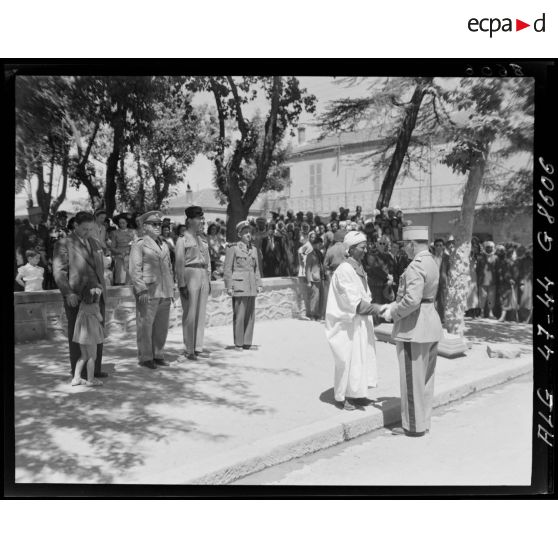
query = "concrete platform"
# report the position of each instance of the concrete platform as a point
(216, 420)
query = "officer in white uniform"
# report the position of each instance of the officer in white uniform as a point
(417, 330)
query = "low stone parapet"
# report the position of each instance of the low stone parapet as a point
(40, 315)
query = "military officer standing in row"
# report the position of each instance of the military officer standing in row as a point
(416, 330)
(151, 276)
(193, 275)
(243, 282)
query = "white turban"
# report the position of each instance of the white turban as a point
(352, 238)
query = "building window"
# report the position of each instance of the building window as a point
(315, 179)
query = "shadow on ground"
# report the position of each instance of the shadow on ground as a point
(95, 434)
(483, 331)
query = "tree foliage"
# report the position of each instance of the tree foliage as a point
(492, 120)
(244, 150)
(127, 140)
(403, 114)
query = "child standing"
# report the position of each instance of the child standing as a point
(88, 332)
(30, 275)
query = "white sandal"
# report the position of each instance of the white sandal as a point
(77, 382)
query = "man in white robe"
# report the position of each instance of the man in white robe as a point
(350, 327)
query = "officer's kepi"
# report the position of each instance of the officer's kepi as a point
(150, 217)
(241, 226)
(416, 232)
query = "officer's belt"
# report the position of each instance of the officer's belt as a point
(197, 266)
(426, 300)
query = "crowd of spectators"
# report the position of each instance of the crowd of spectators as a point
(305, 246)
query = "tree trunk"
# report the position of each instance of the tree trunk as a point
(62, 196)
(118, 123)
(121, 181)
(140, 199)
(236, 212)
(459, 276)
(48, 197)
(41, 193)
(403, 140)
(81, 167)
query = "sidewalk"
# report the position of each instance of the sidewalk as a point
(215, 420)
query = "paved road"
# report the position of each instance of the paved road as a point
(482, 440)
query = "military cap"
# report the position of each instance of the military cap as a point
(193, 211)
(100, 211)
(242, 225)
(416, 232)
(149, 217)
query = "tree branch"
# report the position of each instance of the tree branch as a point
(221, 179)
(270, 139)
(238, 107)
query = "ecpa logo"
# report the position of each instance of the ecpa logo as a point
(494, 24)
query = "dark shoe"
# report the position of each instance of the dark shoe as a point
(249, 348)
(148, 364)
(202, 354)
(352, 406)
(101, 375)
(160, 362)
(191, 357)
(348, 406)
(364, 402)
(398, 431)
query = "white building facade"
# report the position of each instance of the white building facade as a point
(339, 172)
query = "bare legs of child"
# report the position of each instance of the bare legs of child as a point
(87, 358)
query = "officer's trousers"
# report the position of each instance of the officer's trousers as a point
(487, 295)
(152, 324)
(315, 300)
(193, 298)
(244, 317)
(417, 362)
(75, 351)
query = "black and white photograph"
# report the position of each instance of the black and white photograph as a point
(272, 280)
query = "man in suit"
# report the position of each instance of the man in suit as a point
(243, 282)
(77, 264)
(416, 331)
(150, 271)
(193, 275)
(442, 259)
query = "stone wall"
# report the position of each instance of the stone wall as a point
(40, 315)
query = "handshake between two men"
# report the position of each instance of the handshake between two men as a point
(373, 309)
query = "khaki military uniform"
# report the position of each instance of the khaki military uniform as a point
(151, 273)
(193, 272)
(242, 274)
(417, 330)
